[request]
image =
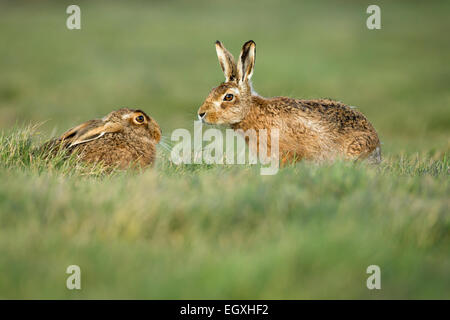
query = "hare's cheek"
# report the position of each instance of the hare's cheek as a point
(234, 115)
(156, 135)
(212, 117)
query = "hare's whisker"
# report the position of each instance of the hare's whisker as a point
(167, 143)
(168, 148)
(163, 145)
(163, 150)
(167, 139)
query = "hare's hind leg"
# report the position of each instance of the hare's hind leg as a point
(289, 157)
(364, 147)
(375, 156)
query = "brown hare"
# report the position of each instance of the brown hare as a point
(121, 139)
(317, 130)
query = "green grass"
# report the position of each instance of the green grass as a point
(224, 231)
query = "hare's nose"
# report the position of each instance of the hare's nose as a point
(201, 115)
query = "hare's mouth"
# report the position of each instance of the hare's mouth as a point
(204, 121)
(201, 117)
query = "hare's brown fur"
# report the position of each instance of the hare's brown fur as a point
(117, 140)
(317, 130)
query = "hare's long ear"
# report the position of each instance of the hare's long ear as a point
(226, 61)
(89, 131)
(246, 62)
(72, 133)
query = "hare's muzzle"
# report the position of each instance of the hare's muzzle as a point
(201, 116)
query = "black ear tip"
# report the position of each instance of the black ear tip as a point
(218, 42)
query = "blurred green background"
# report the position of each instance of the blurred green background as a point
(213, 231)
(160, 55)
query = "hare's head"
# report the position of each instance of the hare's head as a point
(230, 102)
(135, 124)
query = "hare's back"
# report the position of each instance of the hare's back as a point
(117, 150)
(330, 113)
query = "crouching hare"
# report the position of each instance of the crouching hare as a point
(317, 130)
(123, 138)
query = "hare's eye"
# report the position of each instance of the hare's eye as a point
(140, 119)
(228, 97)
